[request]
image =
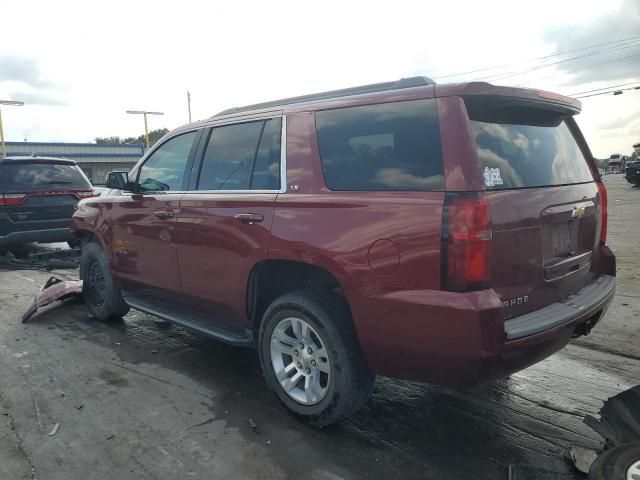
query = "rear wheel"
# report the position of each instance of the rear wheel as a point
(101, 292)
(311, 357)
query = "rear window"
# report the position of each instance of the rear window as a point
(517, 155)
(26, 177)
(389, 146)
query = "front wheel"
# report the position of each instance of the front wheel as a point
(101, 292)
(311, 357)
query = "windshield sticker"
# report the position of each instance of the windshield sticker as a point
(492, 177)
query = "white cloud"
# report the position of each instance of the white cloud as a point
(145, 55)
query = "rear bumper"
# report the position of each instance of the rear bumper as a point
(43, 236)
(462, 338)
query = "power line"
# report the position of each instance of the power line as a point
(581, 68)
(502, 76)
(637, 37)
(603, 88)
(609, 92)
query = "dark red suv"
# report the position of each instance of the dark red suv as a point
(442, 233)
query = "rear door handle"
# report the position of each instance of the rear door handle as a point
(163, 214)
(249, 218)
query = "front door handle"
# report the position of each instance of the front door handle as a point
(163, 214)
(249, 218)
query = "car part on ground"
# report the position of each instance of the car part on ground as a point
(619, 421)
(53, 290)
(42, 260)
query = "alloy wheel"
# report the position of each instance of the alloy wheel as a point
(300, 361)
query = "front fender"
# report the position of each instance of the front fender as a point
(89, 219)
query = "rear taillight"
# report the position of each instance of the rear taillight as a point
(9, 199)
(603, 207)
(82, 195)
(466, 240)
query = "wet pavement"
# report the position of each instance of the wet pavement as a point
(146, 400)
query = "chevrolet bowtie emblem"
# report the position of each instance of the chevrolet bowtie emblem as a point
(577, 212)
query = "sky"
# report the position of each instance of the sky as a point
(78, 66)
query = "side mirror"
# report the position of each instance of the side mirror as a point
(117, 180)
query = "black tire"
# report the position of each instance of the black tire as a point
(351, 381)
(614, 463)
(101, 292)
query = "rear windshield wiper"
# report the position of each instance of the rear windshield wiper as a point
(55, 182)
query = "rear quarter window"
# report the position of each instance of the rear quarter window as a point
(25, 177)
(522, 155)
(388, 146)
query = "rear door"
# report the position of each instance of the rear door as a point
(39, 194)
(224, 222)
(544, 202)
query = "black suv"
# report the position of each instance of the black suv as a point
(38, 196)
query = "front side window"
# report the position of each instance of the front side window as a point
(165, 169)
(243, 156)
(389, 146)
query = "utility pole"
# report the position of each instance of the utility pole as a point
(6, 102)
(189, 104)
(146, 128)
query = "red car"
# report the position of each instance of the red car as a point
(441, 233)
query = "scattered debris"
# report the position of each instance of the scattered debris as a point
(54, 430)
(253, 426)
(54, 289)
(619, 421)
(48, 260)
(79, 407)
(110, 436)
(518, 472)
(154, 351)
(582, 458)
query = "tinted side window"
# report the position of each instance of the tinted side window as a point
(28, 177)
(389, 146)
(165, 168)
(243, 156)
(266, 172)
(228, 160)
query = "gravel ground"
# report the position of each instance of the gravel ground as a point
(141, 399)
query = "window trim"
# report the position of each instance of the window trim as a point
(187, 168)
(283, 158)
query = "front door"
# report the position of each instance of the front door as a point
(144, 248)
(224, 224)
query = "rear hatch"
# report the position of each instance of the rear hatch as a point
(544, 204)
(37, 194)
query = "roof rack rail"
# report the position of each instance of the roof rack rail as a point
(345, 92)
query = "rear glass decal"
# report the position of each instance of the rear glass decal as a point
(492, 177)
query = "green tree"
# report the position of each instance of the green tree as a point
(154, 136)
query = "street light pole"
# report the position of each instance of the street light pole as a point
(146, 129)
(189, 104)
(6, 102)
